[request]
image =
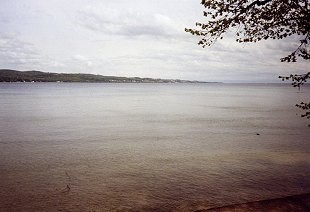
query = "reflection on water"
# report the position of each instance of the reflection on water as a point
(85, 147)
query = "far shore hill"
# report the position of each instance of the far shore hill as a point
(7, 75)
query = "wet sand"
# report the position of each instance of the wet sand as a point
(298, 203)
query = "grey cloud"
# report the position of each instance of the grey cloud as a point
(16, 52)
(127, 23)
(82, 60)
(130, 38)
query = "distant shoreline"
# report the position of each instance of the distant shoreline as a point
(8, 75)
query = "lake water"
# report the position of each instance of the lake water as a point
(140, 147)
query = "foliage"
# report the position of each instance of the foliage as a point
(7, 75)
(306, 107)
(297, 81)
(256, 20)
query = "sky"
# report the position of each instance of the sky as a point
(143, 38)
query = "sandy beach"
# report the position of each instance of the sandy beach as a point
(298, 203)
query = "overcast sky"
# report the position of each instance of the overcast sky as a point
(142, 38)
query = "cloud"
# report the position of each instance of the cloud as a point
(16, 52)
(82, 60)
(136, 38)
(131, 23)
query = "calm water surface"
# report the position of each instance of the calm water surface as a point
(123, 147)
